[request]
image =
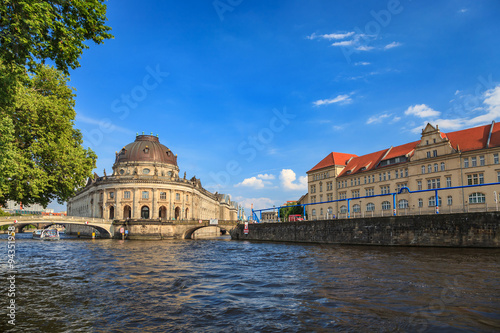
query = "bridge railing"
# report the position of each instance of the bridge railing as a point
(61, 219)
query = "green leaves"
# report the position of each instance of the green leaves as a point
(32, 31)
(44, 158)
(41, 154)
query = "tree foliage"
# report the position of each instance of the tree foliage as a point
(32, 31)
(41, 153)
(285, 212)
(46, 153)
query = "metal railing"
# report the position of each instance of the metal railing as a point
(396, 211)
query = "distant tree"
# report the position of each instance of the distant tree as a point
(41, 154)
(285, 212)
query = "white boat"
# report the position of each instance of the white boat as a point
(50, 234)
(37, 234)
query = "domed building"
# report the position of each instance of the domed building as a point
(145, 184)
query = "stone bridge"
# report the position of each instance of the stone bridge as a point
(136, 229)
(105, 227)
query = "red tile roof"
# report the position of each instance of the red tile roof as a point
(466, 140)
(474, 138)
(369, 161)
(333, 159)
(404, 150)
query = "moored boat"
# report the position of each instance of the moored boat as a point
(37, 234)
(50, 234)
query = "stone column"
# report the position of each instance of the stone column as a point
(135, 210)
(153, 214)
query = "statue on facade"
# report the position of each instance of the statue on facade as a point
(184, 174)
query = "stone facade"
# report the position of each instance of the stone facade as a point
(437, 160)
(443, 230)
(145, 184)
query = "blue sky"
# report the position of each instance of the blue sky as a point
(252, 94)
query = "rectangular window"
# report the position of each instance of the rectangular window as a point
(384, 176)
(433, 183)
(428, 154)
(419, 185)
(435, 153)
(448, 181)
(423, 169)
(450, 200)
(380, 177)
(495, 159)
(466, 162)
(498, 176)
(111, 195)
(385, 189)
(163, 195)
(475, 179)
(397, 174)
(370, 191)
(355, 194)
(126, 195)
(145, 194)
(342, 195)
(473, 161)
(177, 196)
(481, 160)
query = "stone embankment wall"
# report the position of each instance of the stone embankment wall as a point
(84, 230)
(450, 230)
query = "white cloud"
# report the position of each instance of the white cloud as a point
(422, 111)
(344, 99)
(463, 10)
(258, 203)
(288, 177)
(378, 118)
(392, 45)
(492, 103)
(252, 182)
(344, 43)
(362, 63)
(364, 48)
(266, 176)
(339, 35)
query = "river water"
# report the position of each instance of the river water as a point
(219, 285)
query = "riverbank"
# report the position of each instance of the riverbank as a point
(442, 230)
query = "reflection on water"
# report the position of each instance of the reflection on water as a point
(220, 285)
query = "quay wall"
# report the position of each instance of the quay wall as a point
(445, 230)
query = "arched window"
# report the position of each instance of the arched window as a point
(356, 208)
(432, 201)
(343, 209)
(436, 167)
(450, 200)
(442, 166)
(386, 205)
(403, 203)
(145, 212)
(429, 168)
(111, 212)
(423, 169)
(477, 198)
(420, 203)
(314, 212)
(321, 212)
(370, 207)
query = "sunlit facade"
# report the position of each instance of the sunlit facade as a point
(145, 184)
(438, 160)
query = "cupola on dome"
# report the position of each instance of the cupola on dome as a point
(146, 148)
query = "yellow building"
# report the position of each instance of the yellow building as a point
(438, 160)
(145, 184)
